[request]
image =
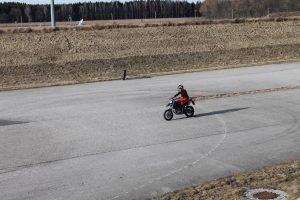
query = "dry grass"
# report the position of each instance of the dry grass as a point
(284, 177)
(116, 25)
(61, 47)
(106, 22)
(95, 54)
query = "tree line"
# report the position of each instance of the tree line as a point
(20, 12)
(141, 9)
(246, 8)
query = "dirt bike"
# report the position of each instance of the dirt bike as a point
(187, 109)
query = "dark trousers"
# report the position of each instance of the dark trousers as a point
(177, 105)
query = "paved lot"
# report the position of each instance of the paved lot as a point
(109, 141)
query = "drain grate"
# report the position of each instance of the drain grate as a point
(10, 122)
(265, 194)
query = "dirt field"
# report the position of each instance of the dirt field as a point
(285, 177)
(72, 56)
(107, 22)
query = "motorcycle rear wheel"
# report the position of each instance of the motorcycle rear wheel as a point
(189, 111)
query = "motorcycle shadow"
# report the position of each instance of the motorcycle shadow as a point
(215, 113)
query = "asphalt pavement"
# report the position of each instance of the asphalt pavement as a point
(108, 140)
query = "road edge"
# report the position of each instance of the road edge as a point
(150, 75)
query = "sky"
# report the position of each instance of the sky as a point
(61, 1)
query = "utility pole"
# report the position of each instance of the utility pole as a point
(52, 14)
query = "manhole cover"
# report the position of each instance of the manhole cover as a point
(265, 194)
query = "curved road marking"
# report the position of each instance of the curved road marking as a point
(188, 165)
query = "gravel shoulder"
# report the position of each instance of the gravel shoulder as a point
(285, 177)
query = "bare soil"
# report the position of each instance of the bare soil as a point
(285, 177)
(72, 56)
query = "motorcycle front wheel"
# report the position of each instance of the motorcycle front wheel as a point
(168, 115)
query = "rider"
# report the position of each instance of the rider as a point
(183, 97)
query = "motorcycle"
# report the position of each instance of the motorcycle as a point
(187, 109)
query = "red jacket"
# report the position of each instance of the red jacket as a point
(184, 97)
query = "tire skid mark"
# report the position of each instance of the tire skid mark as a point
(292, 129)
(234, 94)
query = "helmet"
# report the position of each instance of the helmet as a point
(180, 87)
